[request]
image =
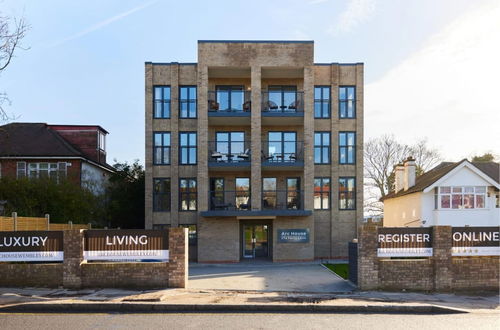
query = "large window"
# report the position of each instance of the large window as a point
(269, 198)
(188, 148)
(162, 102)
(161, 195)
(242, 193)
(293, 194)
(161, 152)
(347, 147)
(54, 171)
(230, 98)
(322, 102)
(347, 193)
(347, 102)
(230, 145)
(282, 146)
(322, 147)
(187, 102)
(188, 194)
(321, 193)
(283, 98)
(462, 197)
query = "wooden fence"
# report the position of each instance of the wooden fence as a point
(16, 223)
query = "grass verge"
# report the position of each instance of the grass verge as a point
(341, 270)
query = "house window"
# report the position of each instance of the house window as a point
(188, 194)
(188, 148)
(102, 141)
(347, 147)
(293, 194)
(322, 102)
(192, 234)
(161, 102)
(187, 102)
(322, 147)
(161, 149)
(467, 197)
(321, 193)
(347, 193)
(21, 169)
(55, 171)
(161, 195)
(347, 102)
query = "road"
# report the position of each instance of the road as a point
(249, 321)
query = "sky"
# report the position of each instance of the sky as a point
(430, 66)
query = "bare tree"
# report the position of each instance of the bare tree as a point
(380, 156)
(12, 32)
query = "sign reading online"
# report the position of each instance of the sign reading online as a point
(293, 235)
(126, 245)
(475, 241)
(404, 242)
(31, 246)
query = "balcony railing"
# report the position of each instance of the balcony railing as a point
(287, 102)
(277, 152)
(282, 200)
(229, 152)
(229, 200)
(229, 101)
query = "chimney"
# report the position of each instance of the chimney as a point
(399, 177)
(410, 169)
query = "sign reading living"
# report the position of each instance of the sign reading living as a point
(404, 242)
(31, 246)
(126, 245)
(475, 241)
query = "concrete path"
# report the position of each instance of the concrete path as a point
(296, 277)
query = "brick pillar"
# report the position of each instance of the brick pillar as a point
(73, 257)
(256, 139)
(441, 244)
(368, 277)
(178, 257)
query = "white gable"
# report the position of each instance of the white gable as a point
(464, 177)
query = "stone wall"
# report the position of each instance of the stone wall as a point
(441, 272)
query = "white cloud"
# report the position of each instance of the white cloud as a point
(356, 12)
(102, 24)
(447, 91)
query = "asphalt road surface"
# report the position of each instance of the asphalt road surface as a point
(249, 321)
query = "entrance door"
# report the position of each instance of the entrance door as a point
(255, 241)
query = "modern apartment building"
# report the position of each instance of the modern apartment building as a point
(257, 149)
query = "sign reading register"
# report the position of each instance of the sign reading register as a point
(293, 235)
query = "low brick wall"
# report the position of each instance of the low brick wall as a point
(441, 272)
(38, 275)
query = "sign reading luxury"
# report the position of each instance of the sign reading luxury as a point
(404, 242)
(31, 246)
(475, 241)
(293, 235)
(126, 245)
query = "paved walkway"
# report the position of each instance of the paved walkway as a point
(292, 277)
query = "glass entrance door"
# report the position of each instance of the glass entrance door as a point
(255, 241)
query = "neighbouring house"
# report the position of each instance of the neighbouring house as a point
(451, 194)
(37, 150)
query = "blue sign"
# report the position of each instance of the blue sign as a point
(293, 235)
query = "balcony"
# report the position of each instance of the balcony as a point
(282, 154)
(282, 200)
(232, 103)
(229, 155)
(288, 105)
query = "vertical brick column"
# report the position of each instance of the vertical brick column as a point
(174, 149)
(368, 277)
(441, 244)
(203, 184)
(256, 140)
(178, 257)
(73, 257)
(309, 138)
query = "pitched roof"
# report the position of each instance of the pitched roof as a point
(428, 178)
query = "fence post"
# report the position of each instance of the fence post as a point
(47, 217)
(89, 225)
(14, 217)
(368, 263)
(70, 224)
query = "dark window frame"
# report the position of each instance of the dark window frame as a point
(269, 191)
(322, 101)
(181, 194)
(322, 146)
(346, 101)
(353, 193)
(155, 194)
(346, 148)
(188, 147)
(282, 90)
(282, 142)
(188, 100)
(163, 147)
(229, 89)
(163, 101)
(322, 192)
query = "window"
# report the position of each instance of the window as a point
(188, 194)
(321, 193)
(55, 171)
(347, 193)
(21, 169)
(161, 195)
(269, 193)
(217, 194)
(188, 148)
(347, 147)
(282, 146)
(230, 145)
(161, 102)
(242, 193)
(322, 102)
(293, 196)
(467, 197)
(283, 98)
(192, 235)
(187, 102)
(102, 141)
(322, 147)
(161, 148)
(230, 98)
(347, 102)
